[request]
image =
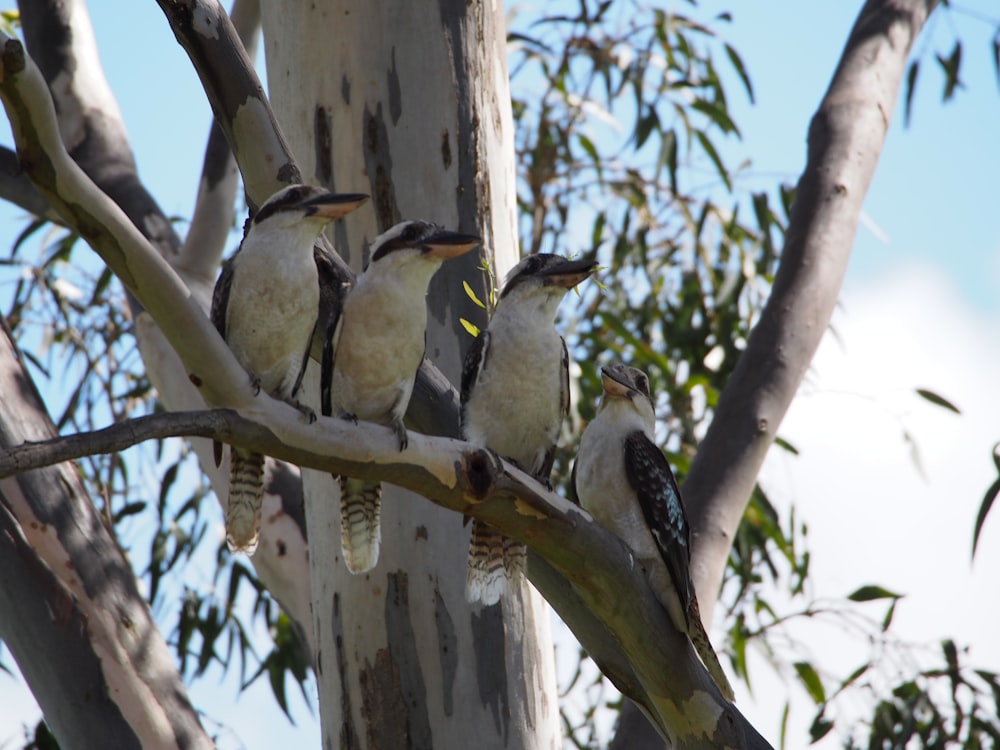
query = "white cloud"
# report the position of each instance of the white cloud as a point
(872, 517)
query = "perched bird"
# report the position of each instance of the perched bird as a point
(515, 396)
(378, 345)
(265, 305)
(624, 481)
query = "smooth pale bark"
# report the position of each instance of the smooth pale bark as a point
(418, 115)
(69, 608)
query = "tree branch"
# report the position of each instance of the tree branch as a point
(16, 188)
(109, 232)
(845, 140)
(69, 607)
(655, 664)
(214, 209)
(60, 38)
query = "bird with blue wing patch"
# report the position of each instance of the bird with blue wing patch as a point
(624, 481)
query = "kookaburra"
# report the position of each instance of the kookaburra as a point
(624, 481)
(515, 396)
(265, 305)
(378, 345)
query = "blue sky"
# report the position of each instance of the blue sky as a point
(921, 307)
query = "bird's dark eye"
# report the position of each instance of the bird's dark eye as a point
(643, 382)
(413, 232)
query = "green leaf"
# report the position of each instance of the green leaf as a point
(645, 126)
(820, 728)
(814, 686)
(472, 328)
(911, 80)
(984, 509)
(741, 71)
(996, 55)
(951, 65)
(937, 400)
(871, 593)
(782, 443)
(709, 149)
(889, 614)
(716, 114)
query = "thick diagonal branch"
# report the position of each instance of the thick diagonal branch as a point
(651, 662)
(845, 141)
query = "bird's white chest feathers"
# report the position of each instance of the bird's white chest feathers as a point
(381, 343)
(273, 304)
(515, 407)
(603, 486)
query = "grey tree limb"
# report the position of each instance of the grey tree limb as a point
(845, 140)
(214, 208)
(16, 188)
(653, 663)
(69, 607)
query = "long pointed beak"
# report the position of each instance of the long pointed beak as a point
(445, 244)
(570, 273)
(334, 205)
(613, 385)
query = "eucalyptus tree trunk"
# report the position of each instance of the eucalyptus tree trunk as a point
(409, 102)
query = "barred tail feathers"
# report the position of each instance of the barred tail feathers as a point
(360, 519)
(496, 563)
(515, 560)
(702, 644)
(246, 490)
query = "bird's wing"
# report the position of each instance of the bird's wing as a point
(217, 314)
(545, 471)
(334, 285)
(650, 476)
(330, 341)
(220, 297)
(474, 363)
(571, 493)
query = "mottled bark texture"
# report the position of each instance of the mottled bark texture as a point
(406, 117)
(70, 612)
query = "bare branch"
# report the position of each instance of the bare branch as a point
(101, 222)
(214, 209)
(845, 140)
(653, 663)
(206, 33)
(69, 608)
(60, 38)
(17, 188)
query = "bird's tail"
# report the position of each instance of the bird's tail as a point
(702, 644)
(360, 515)
(246, 489)
(496, 563)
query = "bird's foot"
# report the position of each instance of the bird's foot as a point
(348, 416)
(306, 411)
(254, 383)
(400, 429)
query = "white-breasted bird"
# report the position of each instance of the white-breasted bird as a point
(265, 305)
(378, 345)
(624, 481)
(515, 396)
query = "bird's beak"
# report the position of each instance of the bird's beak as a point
(569, 274)
(613, 384)
(334, 205)
(445, 244)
